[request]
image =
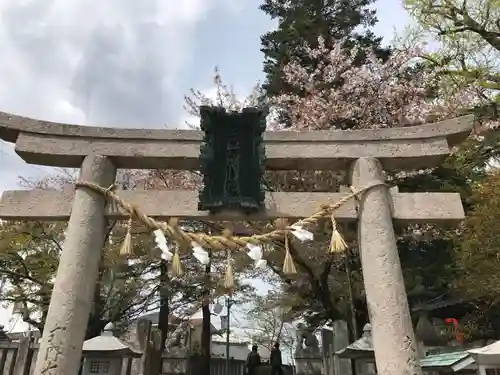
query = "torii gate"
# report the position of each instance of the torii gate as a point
(98, 152)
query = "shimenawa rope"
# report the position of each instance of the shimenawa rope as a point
(220, 242)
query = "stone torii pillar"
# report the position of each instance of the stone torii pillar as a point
(72, 297)
(393, 336)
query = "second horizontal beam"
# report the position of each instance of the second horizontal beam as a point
(51, 205)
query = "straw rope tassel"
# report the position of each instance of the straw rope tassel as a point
(176, 267)
(288, 265)
(126, 248)
(228, 278)
(176, 264)
(337, 243)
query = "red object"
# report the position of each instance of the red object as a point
(459, 336)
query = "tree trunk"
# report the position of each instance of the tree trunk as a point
(96, 321)
(206, 334)
(163, 315)
(95, 326)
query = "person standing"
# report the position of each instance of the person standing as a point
(276, 361)
(253, 361)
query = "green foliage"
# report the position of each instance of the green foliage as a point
(29, 254)
(427, 267)
(477, 252)
(321, 290)
(125, 289)
(466, 63)
(477, 259)
(468, 34)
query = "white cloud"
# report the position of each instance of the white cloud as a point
(112, 63)
(11, 167)
(93, 61)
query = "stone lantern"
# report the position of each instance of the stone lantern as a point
(106, 354)
(361, 352)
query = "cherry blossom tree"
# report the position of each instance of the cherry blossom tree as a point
(338, 94)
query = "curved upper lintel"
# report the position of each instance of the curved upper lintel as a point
(63, 145)
(455, 130)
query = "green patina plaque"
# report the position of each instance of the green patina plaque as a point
(232, 159)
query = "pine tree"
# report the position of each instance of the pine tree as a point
(303, 21)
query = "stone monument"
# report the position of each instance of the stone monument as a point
(178, 344)
(177, 351)
(308, 359)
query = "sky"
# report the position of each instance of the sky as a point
(128, 63)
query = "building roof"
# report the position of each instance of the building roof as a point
(154, 318)
(491, 349)
(193, 319)
(232, 340)
(487, 355)
(440, 303)
(443, 359)
(236, 351)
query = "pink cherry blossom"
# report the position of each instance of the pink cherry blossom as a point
(374, 95)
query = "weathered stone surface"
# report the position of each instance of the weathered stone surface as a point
(393, 337)
(64, 145)
(162, 204)
(72, 296)
(150, 154)
(455, 130)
